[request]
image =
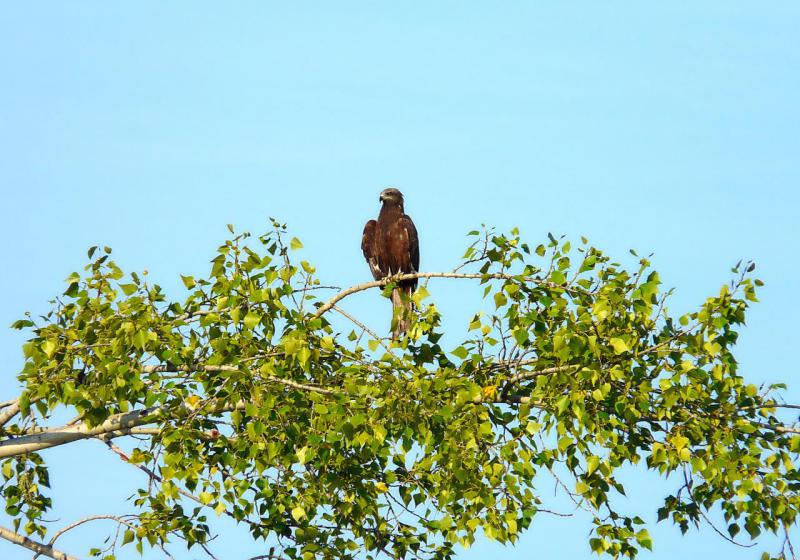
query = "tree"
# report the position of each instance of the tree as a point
(325, 444)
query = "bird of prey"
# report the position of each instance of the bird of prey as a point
(391, 246)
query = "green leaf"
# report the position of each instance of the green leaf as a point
(140, 339)
(521, 336)
(619, 345)
(307, 267)
(419, 295)
(128, 289)
(598, 546)
(49, 347)
(252, 319)
(644, 539)
(295, 244)
(298, 513)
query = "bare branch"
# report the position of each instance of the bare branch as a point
(551, 512)
(772, 405)
(6, 404)
(361, 325)
(780, 428)
(10, 411)
(532, 374)
(128, 423)
(35, 546)
(211, 369)
(525, 375)
(118, 519)
(120, 424)
(67, 434)
(114, 426)
(398, 277)
(688, 486)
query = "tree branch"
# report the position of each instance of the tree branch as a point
(5, 404)
(35, 546)
(10, 411)
(152, 475)
(700, 507)
(67, 434)
(530, 375)
(169, 368)
(114, 426)
(118, 519)
(123, 424)
(118, 424)
(398, 277)
(361, 325)
(780, 428)
(127, 423)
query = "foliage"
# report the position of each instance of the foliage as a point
(332, 444)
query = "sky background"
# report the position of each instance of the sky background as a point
(148, 126)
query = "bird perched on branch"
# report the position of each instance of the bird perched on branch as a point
(391, 246)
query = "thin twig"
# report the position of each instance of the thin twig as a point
(788, 542)
(525, 375)
(688, 486)
(780, 428)
(311, 288)
(151, 474)
(119, 519)
(531, 375)
(212, 369)
(361, 325)
(551, 512)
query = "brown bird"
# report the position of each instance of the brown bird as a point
(391, 246)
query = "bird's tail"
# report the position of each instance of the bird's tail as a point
(401, 311)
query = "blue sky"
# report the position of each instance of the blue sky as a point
(148, 126)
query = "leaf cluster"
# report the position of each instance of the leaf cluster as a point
(336, 443)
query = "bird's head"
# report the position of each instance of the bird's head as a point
(391, 195)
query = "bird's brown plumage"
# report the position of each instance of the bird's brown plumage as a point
(391, 246)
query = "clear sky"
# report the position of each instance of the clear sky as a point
(148, 126)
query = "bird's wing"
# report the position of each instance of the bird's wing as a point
(369, 249)
(413, 243)
(404, 249)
